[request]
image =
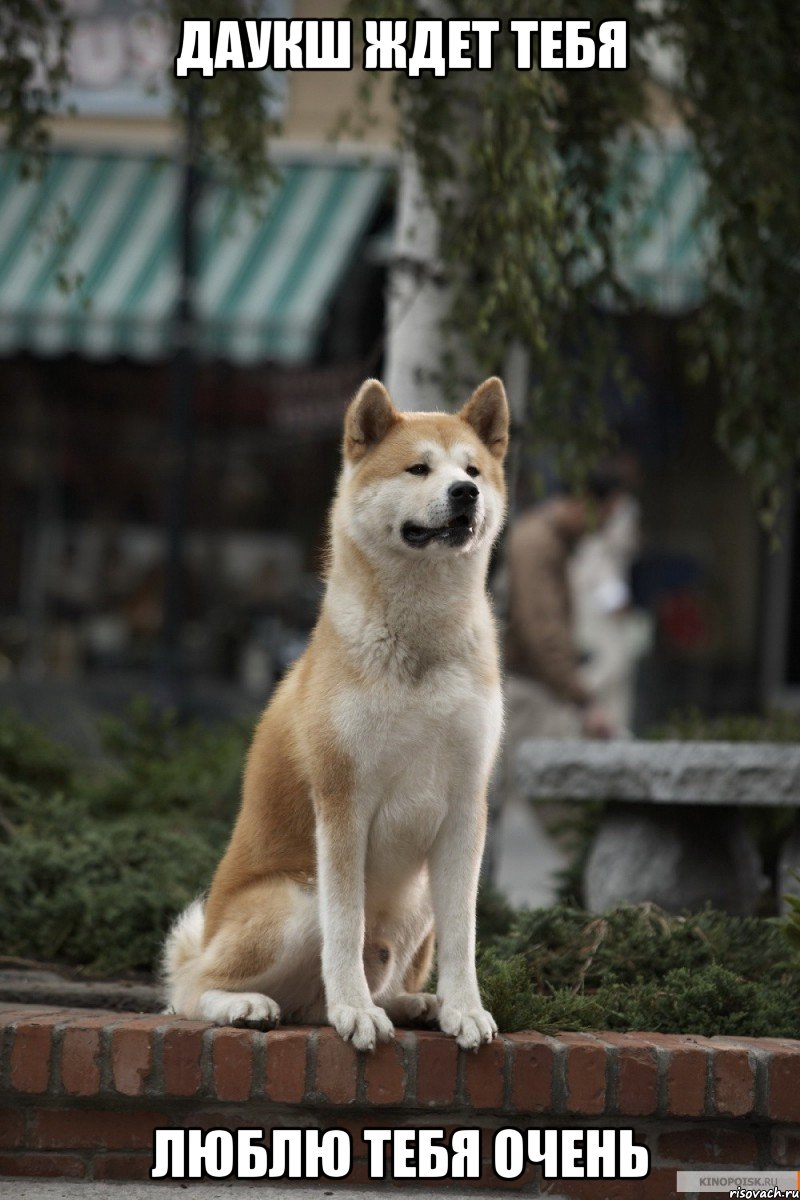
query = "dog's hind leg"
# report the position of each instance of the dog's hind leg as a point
(411, 1004)
(419, 968)
(261, 959)
(252, 1009)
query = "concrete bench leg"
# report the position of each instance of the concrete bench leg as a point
(676, 856)
(789, 868)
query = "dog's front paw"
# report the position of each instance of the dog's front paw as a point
(361, 1026)
(469, 1026)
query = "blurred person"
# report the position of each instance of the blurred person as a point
(611, 634)
(547, 695)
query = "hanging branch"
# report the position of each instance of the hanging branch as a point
(527, 194)
(518, 167)
(742, 106)
(34, 36)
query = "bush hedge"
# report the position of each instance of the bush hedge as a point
(96, 859)
(638, 968)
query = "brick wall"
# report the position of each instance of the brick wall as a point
(81, 1093)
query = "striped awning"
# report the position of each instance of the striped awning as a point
(663, 246)
(89, 257)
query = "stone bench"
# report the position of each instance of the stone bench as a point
(672, 832)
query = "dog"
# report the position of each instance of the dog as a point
(363, 812)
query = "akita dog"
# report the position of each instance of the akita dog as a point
(364, 799)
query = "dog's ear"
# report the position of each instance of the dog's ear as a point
(369, 418)
(487, 412)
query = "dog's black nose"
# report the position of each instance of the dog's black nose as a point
(462, 494)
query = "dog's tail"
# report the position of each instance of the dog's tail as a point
(182, 950)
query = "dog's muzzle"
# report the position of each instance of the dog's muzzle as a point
(462, 498)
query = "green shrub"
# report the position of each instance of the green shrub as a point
(100, 894)
(691, 725)
(30, 756)
(710, 1002)
(637, 968)
(567, 947)
(160, 765)
(95, 863)
(792, 923)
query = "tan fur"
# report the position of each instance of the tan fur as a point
(301, 782)
(418, 973)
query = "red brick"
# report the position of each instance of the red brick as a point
(784, 1085)
(357, 1125)
(79, 1129)
(182, 1048)
(532, 1073)
(90, 1017)
(770, 1044)
(723, 1042)
(734, 1083)
(449, 1123)
(49, 1166)
(31, 1054)
(585, 1074)
(526, 1182)
(131, 1059)
(80, 1017)
(122, 1166)
(216, 1118)
(687, 1070)
(12, 1013)
(591, 1189)
(12, 1128)
(385, 1073)
(80, 1061)
(232, 1063)
(285, 1080)
(437, 1062)
(484, 1081)
(637, 1074)
(358, 1175)
(81, 1053)
(659, 1185)
(785, 1148)
(337, 1068)
(708, 1147)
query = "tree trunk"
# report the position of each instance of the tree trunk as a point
(417, 300)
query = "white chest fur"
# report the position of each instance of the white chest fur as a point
(417, 750)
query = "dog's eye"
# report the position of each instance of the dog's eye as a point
(472, 471)
(419, 469)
